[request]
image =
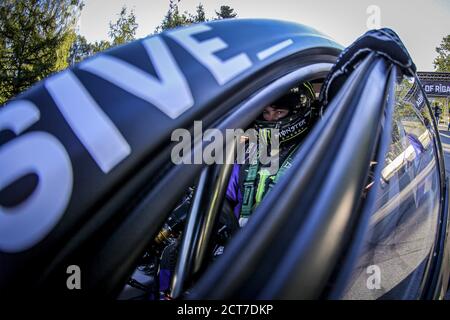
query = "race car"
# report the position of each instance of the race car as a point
(93, 205)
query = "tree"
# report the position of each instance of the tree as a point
(442, 61)
(121, 31)
(35, 37)
(80, 49)
(124, 29)
(226, 12)
(173, 18)
(200, 15)
(99, 46)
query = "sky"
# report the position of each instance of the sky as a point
(421, 24)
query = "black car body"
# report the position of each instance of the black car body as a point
(87, 181)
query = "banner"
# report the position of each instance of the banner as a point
(436, 88)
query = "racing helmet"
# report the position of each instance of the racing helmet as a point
(299, 101)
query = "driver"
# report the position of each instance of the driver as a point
(292, 115)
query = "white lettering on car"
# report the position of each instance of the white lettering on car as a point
(142, 84)
(90, 124)
(203, 51)
(266, 53)
(28, 222)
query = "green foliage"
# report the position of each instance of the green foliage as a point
(124, 29)
(226, 12)
(82, 49)
(99, 46)
(79, 50)
(200, 15)
(121, 31)
(35, 37)
(174, 18)
(442, 61)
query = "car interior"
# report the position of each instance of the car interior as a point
(163, 271)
